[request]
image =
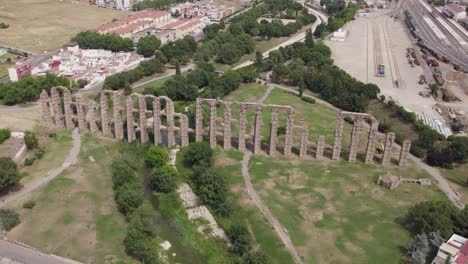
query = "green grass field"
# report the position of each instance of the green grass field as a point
(75, 215)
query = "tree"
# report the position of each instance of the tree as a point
(177, 68)
(240, 239)
(259, 61)
(31, 140)
(198, 153)
(148, 45)
(256, 257)
(164, 179)
(129, 197)
(8, 219)
(156, 157)
(9, 175)
(122, 173)
(309, 39)
(212, 189)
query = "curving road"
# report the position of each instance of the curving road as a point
(71, 158)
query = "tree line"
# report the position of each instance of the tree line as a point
(95, 40)
(341, 15)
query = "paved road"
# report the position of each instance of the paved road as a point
(280, 231)
(72, 156)
(18, 254)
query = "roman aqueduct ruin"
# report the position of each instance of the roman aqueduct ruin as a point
(170, 128)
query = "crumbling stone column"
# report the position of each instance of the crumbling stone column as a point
(130, 120)
(356, 130)
(157, 121)
(227, 125)
(242, 125)
(118, 126)
(58, 115)
(184, 140)
(304, 142)
(80, 113)
(67, 101)
(338, 137)
(213, 117)
(45, 104)
(273, 130)
(142, 115)
(320, 148)
(104, 114)
(170, 122)
(370, 151)
(404, 153)
(198, 120)
(258, 125)
(92, 117)
(289, 132)
(389, 139)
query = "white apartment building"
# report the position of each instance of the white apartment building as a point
(125, 5)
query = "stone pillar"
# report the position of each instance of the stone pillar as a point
(338, 137)
(289, 132)
(67, 101)
(404, 153)
(142, 115)
(198, 120)
(56, 106)
(46, 118)
(273, 130)
(104, 115)
(320, 148)
(92, 117)
(157, 121)
(227, 125)
(242, 125)
(118, 126)
(213, 116)
(170, 123)
(258, 125)
(304, 143)
(353, 149)
(370, 151)
(130, 120)
(80, 113)
(184, 140)
(389, 139)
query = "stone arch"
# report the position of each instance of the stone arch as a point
(62, 116)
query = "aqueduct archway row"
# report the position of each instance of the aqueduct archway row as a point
(169, 127)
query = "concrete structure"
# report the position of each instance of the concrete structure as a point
(75, 113)
(454, 11)
(204, 9)
(456, 247)
(125, 5)
(339, 35)
(392, 182)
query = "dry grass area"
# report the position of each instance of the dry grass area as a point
(45, 25)
(75, 214)
(20, 118)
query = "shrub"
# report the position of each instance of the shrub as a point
(308, 99)
(240, 239)
(39, 153)
(198, 153)
(29, 162)
(129, 197)
(29, 204)
(8, 219)
(164, 179)
(122, 173)
(52, 135)
(31, 140)
(9, 175)
(4, 134)
(156, 157)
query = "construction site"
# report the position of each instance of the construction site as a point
(379, 48)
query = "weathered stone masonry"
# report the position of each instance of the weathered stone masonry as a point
(76, 113)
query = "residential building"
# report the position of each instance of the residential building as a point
(454, 11)
(454, 251)
(204, 9)
(125, 5)
(19, 71)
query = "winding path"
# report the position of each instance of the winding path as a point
(71, 158)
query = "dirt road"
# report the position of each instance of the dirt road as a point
(71, 158)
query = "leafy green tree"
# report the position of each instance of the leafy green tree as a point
(177, 69)
(31, 140)
(4, 134)
(240, 239)
(8, 219)
(178, 88)
(256, 257)
(156, 157)
(309, 39)
(95, 40)
(129, 197)
(212, 189)
(9, 175)
(259, 61)
(122, 173)
(198, 153)
(148, 45)
(164, 179)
